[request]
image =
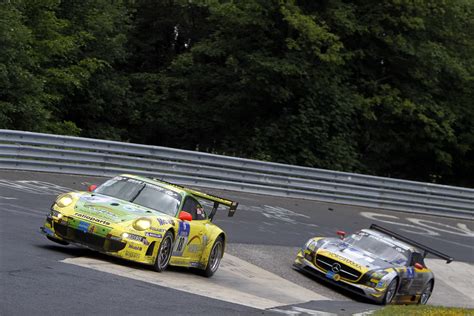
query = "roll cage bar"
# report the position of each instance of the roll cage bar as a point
(425, 249)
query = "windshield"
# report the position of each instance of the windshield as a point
(142, 193)
(380, 247)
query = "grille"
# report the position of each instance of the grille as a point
(340, 284)
(91, 240)
(346, 272)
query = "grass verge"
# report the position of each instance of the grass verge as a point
(423, 310)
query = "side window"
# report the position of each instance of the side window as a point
(193, 207)
(417, 258)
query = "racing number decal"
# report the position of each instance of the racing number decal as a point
(183, 235)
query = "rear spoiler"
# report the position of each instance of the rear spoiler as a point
(412, 242)
(208, 197)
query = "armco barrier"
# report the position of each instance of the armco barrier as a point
(65, 154)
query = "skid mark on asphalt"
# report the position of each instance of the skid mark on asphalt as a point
(454, 283)
(236, 281)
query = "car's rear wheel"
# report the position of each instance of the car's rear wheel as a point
(426, 294)
(215, 257)
(390, 293)
(164, 252)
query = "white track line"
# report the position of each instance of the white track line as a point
(236, 281)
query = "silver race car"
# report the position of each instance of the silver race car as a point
(375, 263)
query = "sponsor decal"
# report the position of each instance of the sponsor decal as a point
(92, 218)
(83, 226)
(410, 272)
(165, 221)
(153, 235)
(132, 209)
(380, 285)
(194, 264)
(132, 255)
(102, 211)
(91, 229)
(183, 233)
(194, 248)
(47, 231)
(134, 247)
(96, 199)
(345, 260)
(184, 229)
(137, 238)
(161, 230)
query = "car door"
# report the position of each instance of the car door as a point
(412, 279)
(188, 245)
(420, 275)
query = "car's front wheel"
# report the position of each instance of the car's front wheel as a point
(390, 293)
(164, 252)
(215, 257)
(425, 295)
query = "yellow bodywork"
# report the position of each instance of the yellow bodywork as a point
(138, 238)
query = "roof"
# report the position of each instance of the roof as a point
(391, 239)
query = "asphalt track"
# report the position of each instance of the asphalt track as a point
(255, 278)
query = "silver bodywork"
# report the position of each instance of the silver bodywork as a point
(367, 273)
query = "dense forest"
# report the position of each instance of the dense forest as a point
(369, 86)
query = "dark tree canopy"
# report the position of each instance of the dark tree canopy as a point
(378, 87)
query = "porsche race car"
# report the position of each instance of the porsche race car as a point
(376, 263)
(144, 220)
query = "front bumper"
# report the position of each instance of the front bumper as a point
(302, 264)
(100, 238)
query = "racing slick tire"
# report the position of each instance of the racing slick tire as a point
(426, 294)
(390, 293)
(215, 257)
(164, 252)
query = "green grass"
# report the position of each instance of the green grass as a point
(423, 310)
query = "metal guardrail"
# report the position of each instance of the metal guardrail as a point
(84, 156)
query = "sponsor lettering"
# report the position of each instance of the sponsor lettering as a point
(91, 218)
(194, 248)
(165, 221)
(134, 247)
(153, 235)
(102, 212)
(132, 255)
(345, 260)
(161, 230)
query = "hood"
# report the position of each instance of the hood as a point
(346, 253)
(111, 209)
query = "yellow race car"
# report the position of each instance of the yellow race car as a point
(144, 220)
(375, 263)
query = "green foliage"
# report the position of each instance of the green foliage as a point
(380, 87)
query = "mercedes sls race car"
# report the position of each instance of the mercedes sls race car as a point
(144, 220)
(375, 263)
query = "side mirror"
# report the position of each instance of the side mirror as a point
(92, 187)
(341, 234)
(185, 216)
(419, 266)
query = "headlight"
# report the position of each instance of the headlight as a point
(64, 200)
(312, 244)
(142, 224)
(56, 214)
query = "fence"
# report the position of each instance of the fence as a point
(74, 155)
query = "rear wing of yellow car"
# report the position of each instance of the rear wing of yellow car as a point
(232, 205)
(425, 249)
